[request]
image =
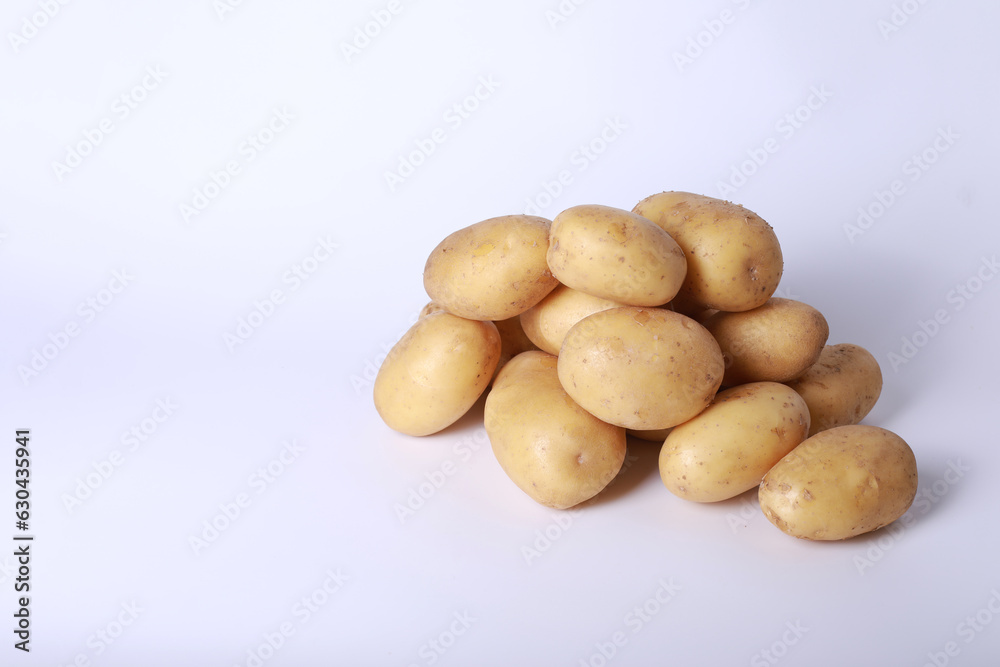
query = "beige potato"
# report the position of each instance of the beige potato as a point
(734, 261)
(550, 447)
(547, 322)
(616, 255)
(513, 341)
(435, 373)
(431, 307)
(839, 483)
(841, 388)
(730, 446)
(775, 342)
(641, 368)
(492, 270)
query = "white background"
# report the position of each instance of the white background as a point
(118, 576)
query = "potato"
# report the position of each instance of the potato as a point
(730, 446)
(492, 270)
(430, 307)
(547, 322)
(775, 342)
(734, 261)
(839, 483)
(640, 368)
(615, 255)
(513, 341)
(435, 373)
(841, 388)
(554, 450)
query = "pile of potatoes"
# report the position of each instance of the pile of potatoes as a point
(659, 323)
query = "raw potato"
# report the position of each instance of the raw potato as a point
(616, 255)
(728, 448)
(641, 368)
(547, 323)
(734, 261)
(554, 450)
(492, 270)
(513, 341)
(431, 307)
(839, 483)
(435, 373)
(841, 388)
(776, 342)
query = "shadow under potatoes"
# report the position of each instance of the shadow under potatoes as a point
(642, 460)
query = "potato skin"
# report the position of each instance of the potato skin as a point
(734, 261)
(640, 368)
(616, 255)
(549, 446)
(513, 340)
(730, 446)
(547, 322)
(775, 342)
(840, 483)
(841, 388)
(435, 373)
(430, 307)
(492, 270)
